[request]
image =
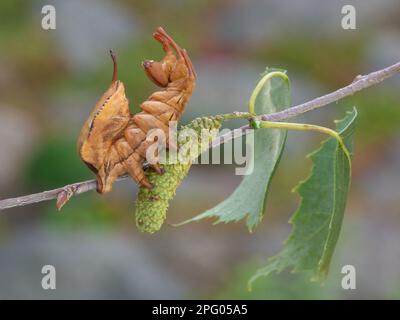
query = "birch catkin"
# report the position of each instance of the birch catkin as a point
(152, 205)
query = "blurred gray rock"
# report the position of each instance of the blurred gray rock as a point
(18, 133)
(384, 50)
(88, 266)
(222, 86)
(248, 22)
(182, 263)
(87, 28)
(380, 185)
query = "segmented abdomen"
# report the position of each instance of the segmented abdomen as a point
(161, 108)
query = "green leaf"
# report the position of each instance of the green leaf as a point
(318, 220)
(248, 199)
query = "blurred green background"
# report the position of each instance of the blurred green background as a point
(50, 80)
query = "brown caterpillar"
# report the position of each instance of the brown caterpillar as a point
(114, 142)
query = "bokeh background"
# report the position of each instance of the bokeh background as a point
(50, 80)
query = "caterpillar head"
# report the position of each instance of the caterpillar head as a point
(174, 66)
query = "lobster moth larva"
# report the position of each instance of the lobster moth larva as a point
(113, 141)
(152, 205)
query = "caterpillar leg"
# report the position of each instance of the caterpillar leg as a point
(161, 36)
(158, 71)
(189, 64)
(157, 168)
(132, 162)
(166, 40)
(134, 167)
(155, 162)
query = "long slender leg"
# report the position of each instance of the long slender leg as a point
(157, 168)
(132, 161)
(165, 39)
(134, 167)
(158, 71)
(160, 38)
(189, 63)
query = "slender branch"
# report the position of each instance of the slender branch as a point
(63, 194)
(359, 83)
(59, 193)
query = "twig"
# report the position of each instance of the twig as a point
(62, 195)
(360, 82)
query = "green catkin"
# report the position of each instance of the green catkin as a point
(152, 205)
